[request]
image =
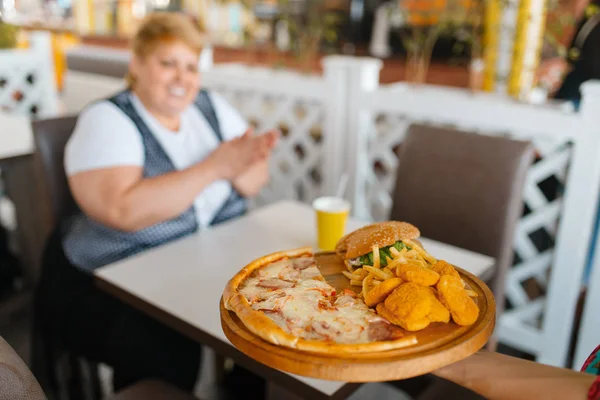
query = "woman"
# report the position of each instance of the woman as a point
(154, 163)
(497, 376)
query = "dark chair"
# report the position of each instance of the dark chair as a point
(466, 190)
(19, 383)
(59, 372)
(63, 372)
(51, 136)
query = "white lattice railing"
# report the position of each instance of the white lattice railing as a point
(552, 237)
(27, 85)
(328, 121)
(298, 105)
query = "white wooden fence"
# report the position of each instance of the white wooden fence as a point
(27, 83)
(345, 122)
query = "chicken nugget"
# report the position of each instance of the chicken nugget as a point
(444, 268)
(417, 274)
(438, 312)
(409, 301)
(453, 295)
(407, 324)
(380, 292)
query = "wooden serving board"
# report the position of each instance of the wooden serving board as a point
(438, 345)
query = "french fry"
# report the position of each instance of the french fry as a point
(376, 282)
(360, 274)
(418, 262)
(411, 254)
(354, 282)
(378, 273)
(394, 252)
(365, 284)
(348, 275)
(376, 260)
(428, 257)
(388, 270)
(396, 261)
(388, 260)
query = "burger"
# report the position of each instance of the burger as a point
(356, 248)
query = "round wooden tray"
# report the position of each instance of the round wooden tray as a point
(438, 345)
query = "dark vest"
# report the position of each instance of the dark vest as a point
(89, 244)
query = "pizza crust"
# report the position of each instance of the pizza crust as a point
(260, 324)
(334, 348)
(265, 328)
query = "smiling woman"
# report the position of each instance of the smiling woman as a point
(154, 163)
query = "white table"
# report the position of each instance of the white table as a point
(181, 283)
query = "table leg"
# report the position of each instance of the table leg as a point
(276, 392)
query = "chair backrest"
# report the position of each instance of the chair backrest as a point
(463, 189)
(51, 136)
(16, 380)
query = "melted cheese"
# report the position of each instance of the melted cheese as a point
(309, 309)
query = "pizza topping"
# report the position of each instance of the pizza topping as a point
(289, 274)
(383, 330)
(303, 262)
(325, 305)
(274, 283)
(267, 295)
(324, 329)
(351, 331)
(311, 273)
(273, 304)
(345, 300)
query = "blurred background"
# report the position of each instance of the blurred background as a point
(343, 81)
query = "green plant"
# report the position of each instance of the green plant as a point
(310, 27)
(8, 35)
(458, 19)
(560, 23)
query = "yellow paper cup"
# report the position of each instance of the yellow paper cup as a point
(331, 213)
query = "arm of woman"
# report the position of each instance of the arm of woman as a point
(250, 182)
(119, 197)
(104, 162)
(497, 376)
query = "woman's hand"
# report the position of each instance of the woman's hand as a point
(251, 181)
(234, 157)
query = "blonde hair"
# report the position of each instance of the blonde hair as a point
(161, 27)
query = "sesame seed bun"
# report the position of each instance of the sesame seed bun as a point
(382, 234)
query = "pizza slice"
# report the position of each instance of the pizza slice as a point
(284, 299)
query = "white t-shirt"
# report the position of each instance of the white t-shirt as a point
(105, 137)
